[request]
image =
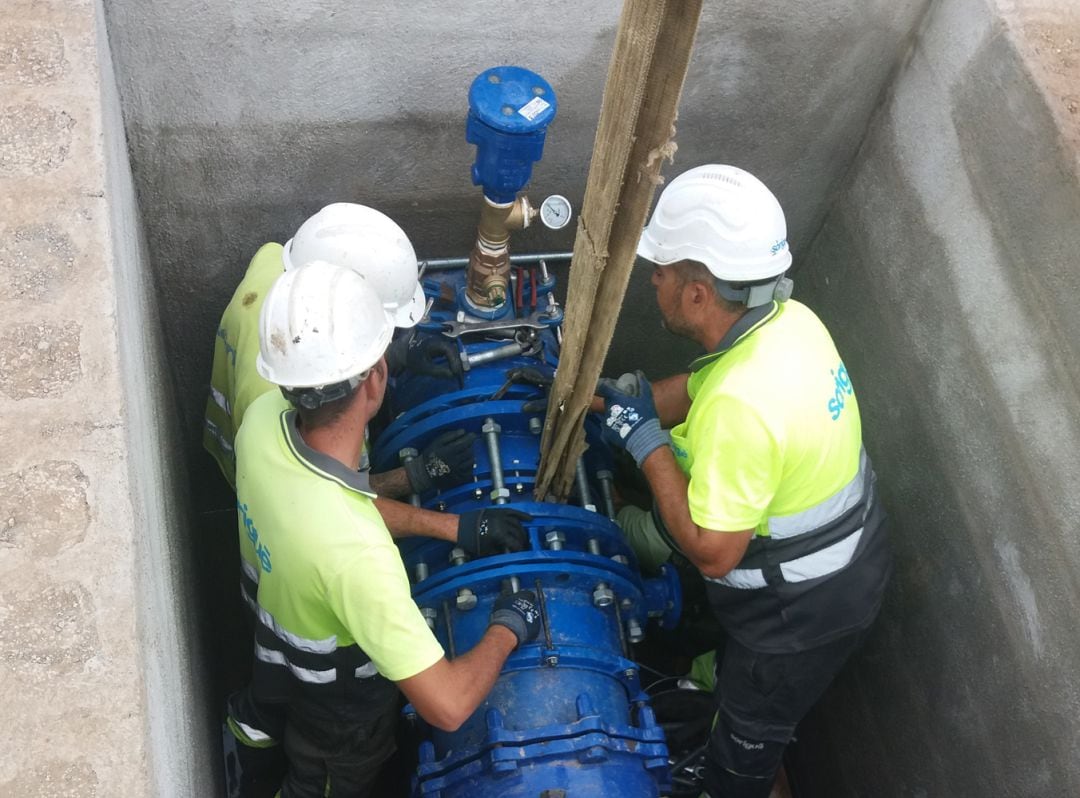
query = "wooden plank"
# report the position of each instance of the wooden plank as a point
(634, 136)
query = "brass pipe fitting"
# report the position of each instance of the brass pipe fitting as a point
(489, 262)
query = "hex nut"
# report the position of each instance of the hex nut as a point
(603, 596)
(466, 599)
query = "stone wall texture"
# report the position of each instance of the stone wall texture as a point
(84, 486)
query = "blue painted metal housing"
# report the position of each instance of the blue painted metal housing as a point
(568, 712)
(510, 109)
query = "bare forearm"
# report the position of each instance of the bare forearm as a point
(393, 484)
(713, 553)
(669, 486)
(404, 520)
(448, 692)
(473, 674)
(671, 399)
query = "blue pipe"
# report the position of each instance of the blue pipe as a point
(568, 715)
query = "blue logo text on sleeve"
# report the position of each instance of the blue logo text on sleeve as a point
(261, 551)
(842, 388)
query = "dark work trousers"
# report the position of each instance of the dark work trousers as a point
(760, 699)
(256, 770)
(339, 758)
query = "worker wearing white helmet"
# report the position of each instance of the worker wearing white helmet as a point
(337, 631)
(756, 465)
(370, 244)
(374, 246)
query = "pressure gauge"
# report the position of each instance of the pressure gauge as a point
(555, 212)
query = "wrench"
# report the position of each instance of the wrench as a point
(455, 328)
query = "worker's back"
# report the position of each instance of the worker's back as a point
(773, 443)
(234, 382)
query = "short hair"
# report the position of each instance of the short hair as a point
(694, 271)
(324, 414)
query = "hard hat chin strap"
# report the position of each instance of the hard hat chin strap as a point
(755, 294)
(314, 398)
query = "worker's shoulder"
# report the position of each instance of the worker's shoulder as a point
(263, 414)
(265, 267)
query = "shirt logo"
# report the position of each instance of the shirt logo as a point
(842, 388)
(261, 551)
(230, 350)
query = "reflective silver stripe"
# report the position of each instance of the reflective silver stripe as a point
(216, 432)
(741, 578)
(824, 512)
(822, 563)
(327, 645)
(252, 733)
(303, 674)
(221, 401)
(813, 566)
(367, 671)
(249, 570)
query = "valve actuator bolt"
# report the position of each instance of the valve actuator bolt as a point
(621, 559)
(594, 546)
(629, 673)
(457, 556)
(555, 540)
(634, 632)
(536, 426)
(478, 494)
(603, 596)
(502, 494)
(626, 603)
(441, 507)
(466, 599)
(430, 614)
(421, 571)
(551, 661)
(519, 488)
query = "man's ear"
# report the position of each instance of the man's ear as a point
(698, 293)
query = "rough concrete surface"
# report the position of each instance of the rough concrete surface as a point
(76, 658)
(948, 270)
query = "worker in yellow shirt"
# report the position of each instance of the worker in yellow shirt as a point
(372, 245)
(337, 632)
(756, 465)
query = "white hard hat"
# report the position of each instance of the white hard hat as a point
(320, 324)
(722, 217)
(371, 244)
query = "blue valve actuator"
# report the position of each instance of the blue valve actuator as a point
(510, 109)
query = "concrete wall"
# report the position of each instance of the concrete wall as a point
(949, 272)
(246, 117)
(96, 660)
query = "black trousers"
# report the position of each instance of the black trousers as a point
(760, 700)
(340, 757)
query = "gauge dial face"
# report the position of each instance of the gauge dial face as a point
(555, 212)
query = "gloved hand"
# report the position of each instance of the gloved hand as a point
(630, 419)
(489, 531)
(446, 461)
(416, 352)
(518, 613)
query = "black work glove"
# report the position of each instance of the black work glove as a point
(416, 353)
(490, 531)
(446, 461)
(518, 613)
